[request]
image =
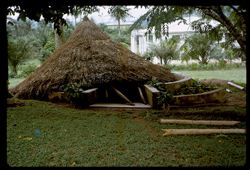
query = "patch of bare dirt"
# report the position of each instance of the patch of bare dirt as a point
(217, 82)
(151, 131)
(14, 102)
(235, 97)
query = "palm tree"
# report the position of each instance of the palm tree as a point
(18, 51)
(77, 11)
(198, 47)
(59, 34)
(119, 13)
(167, 50)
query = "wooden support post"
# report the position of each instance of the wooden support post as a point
(170, 132)
(141, 95)
(123, 96)
(106, 94)
(199, 122)
(90, 95)
(235, 85)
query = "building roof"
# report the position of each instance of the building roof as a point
(90, 58)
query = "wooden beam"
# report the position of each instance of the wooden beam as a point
(199, 122)
(170, 132)
(122, 96)
(106, 93)
(235, 85)
(141, 95)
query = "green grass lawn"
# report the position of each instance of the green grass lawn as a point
(15, 81)
(77, 137)
(237, 75)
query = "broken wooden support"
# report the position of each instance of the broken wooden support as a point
(229, 91)
(90, 96)
(169, 132)
(152, 93)
(106, 93)
(199, 122)
(141, 95)
(235, 85)
(122, 96)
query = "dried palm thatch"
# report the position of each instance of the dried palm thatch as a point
(91, 58)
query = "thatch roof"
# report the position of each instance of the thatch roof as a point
(91, 58)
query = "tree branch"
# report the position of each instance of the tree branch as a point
(217, 14)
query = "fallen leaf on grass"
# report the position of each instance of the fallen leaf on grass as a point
(27, 138)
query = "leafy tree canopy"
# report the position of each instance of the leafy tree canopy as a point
(51, 11)
(198, 47)
(231, 19)
(166, 50)
(119, 13)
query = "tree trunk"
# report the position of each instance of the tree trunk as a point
(217, 14)
(203, 59)
(119, 28)
(160, 60)
(75, 20)
(59, 36)
(14, 69)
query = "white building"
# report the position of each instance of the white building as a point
(140, 41)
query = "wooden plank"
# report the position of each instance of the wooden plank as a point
(141, 95)
(152, 94)
(199, 122)
(235, 85)
(170, 132)
(90, 96)
(106, 93)
(89, 90)
(122, 96)
(151, 88)
(116, 105)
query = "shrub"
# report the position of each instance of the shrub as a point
(194, 66)
(125, 45)
(222, 64)
(27, 70)
(11, 74)
(18, 52)
(166, 97)
(74, 93)
(210, 66)
(194, 88)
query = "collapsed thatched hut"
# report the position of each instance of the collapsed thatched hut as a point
(90, 58)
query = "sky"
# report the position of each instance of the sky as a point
(103, 17)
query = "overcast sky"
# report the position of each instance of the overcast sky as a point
(103, 17)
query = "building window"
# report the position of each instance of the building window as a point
(150, 38)
(137, 40)
(137, 44)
